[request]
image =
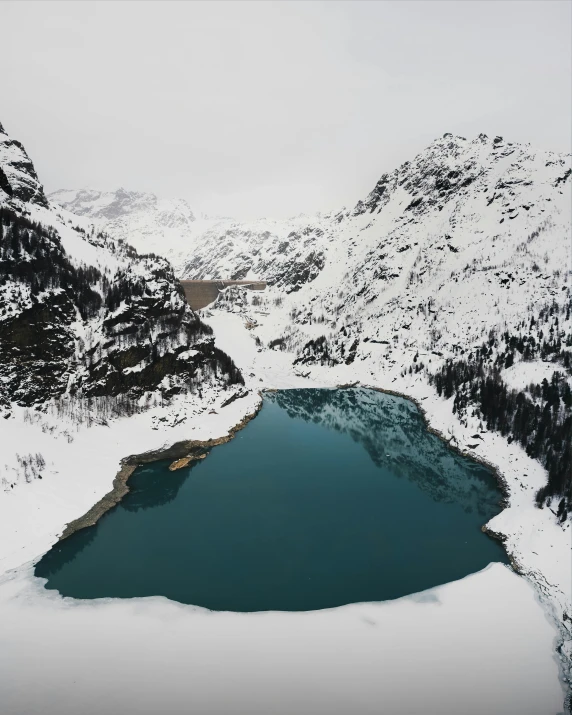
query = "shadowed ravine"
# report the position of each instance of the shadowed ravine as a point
(327, 497)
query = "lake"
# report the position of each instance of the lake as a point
(327, 497)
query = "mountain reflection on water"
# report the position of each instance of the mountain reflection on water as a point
(148, 487)
(327, 497)
(393, 433)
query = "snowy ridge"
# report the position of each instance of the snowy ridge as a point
(18, 178)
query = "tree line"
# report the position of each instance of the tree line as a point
(539, 417)
(32, 254)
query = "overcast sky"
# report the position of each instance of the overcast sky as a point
(271, 109)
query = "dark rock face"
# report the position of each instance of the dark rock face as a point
(5, 184)
(36, 348)
(298, 271)
(386, 425)
(18, 178)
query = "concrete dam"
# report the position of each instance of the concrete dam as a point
(199, 294)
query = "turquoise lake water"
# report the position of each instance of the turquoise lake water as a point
(327, 497)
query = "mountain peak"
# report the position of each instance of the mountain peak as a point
(119, 203)
(18, 178)
(447, 166)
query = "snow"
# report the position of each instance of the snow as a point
(269, 369)
(457, 648)
(186, 354)
(522, 374)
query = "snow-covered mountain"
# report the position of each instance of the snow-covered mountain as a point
(449, 283)
(82, 314)
(148, 223)
(462, 189)
(459, 256)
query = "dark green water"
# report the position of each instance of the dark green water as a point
(328, 497)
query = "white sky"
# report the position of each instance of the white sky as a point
(273, 108)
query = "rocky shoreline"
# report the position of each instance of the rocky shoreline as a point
(181, 452)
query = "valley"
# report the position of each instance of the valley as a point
(449, 282)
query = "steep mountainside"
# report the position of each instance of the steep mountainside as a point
(460, 256)
(18, 178)
(83, 315)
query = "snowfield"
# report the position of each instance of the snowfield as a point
(461, 647)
